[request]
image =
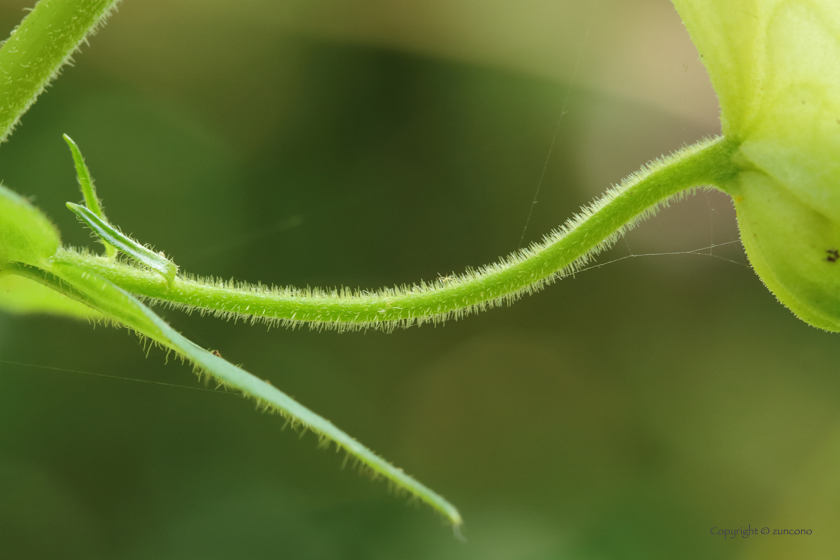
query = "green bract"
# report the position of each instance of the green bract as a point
(89, 191)
(775, 65)
(115, 238)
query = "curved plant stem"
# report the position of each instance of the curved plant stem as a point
(560, 253)
(39, 47)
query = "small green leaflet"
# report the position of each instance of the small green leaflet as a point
(88, 189)
(136, 251)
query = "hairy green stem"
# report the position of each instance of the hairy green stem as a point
(560, 253)
(36, 50)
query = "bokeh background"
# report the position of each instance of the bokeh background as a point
(623, 413)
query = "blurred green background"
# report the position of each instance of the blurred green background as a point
(622, 413)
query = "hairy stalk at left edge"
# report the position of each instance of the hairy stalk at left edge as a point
(560, 253)
(37, 49)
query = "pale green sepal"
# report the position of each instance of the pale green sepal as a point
(26, 234)
(788, 196)
(756, 51)
(796, 137)
(775, 65)
(794, 250)
(729, 36)
(128, 246)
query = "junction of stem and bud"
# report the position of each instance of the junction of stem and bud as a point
(775, 65)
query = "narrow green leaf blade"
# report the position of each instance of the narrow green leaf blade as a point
(26, 234)
(114, 302)
(136, 251)
(88, 189)
(85, 181)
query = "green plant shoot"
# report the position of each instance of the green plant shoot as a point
(774, 64)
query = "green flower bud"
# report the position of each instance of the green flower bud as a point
(775, 65)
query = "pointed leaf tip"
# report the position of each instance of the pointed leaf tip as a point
(128, 246)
